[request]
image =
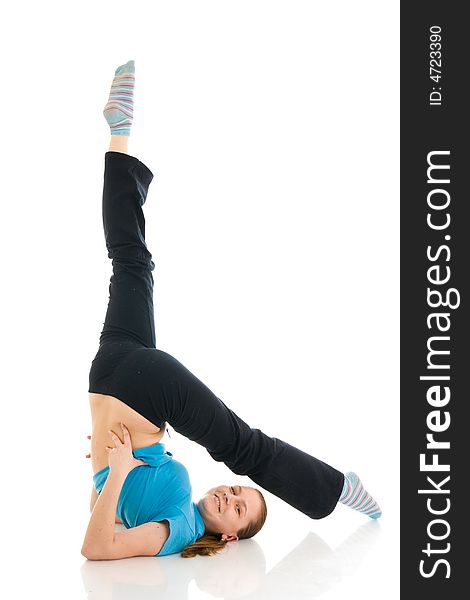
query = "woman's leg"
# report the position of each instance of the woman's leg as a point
(119, 143)
(159, 387)
(130, 312)
(303, 481)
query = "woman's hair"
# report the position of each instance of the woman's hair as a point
(210, 544)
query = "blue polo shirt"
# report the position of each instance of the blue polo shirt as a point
(158, 491)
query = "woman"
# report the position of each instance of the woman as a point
(136, 389)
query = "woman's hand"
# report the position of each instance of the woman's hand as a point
(120, 457)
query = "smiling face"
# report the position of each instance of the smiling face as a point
(228, 509)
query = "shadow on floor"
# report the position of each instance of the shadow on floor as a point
(308, 571)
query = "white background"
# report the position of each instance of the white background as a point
(271, 128)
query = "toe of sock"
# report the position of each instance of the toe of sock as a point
(129, 67)
(376, 515)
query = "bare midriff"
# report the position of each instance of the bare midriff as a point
(107, 412)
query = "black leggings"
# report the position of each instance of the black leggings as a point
(156, 385)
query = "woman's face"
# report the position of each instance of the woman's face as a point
(227, 509)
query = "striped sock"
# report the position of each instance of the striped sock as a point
(356, 496)
(120, 106)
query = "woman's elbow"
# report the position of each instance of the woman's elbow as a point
(91, 554)
(86, 553)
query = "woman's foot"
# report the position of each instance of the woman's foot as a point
(119, 109)
(357, 497)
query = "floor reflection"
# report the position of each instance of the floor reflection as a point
(308, 571)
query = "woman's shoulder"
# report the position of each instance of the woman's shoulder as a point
(179, 471)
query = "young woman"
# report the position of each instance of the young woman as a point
(135, 389)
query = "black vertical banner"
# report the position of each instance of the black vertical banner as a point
(434, 261)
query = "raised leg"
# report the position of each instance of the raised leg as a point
(130, 312)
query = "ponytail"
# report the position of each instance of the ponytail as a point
(207, 545)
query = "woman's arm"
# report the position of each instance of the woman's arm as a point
(100, 532)
(94, 498)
